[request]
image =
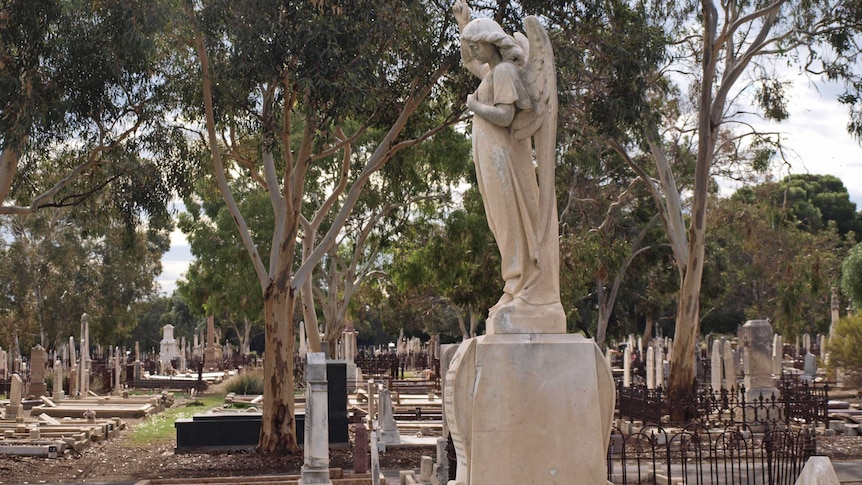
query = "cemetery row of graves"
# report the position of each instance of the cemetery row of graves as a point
(757, 407)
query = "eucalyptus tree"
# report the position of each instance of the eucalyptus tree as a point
(851, 275)
(291, 75)
(451, 263)
(220, 281)
(771, 266)
(722, 56)
(416, 185)
(61, 263)
(82, 106)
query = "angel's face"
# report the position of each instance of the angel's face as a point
(483, 51)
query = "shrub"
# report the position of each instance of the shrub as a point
(248, 382)
(843, 349)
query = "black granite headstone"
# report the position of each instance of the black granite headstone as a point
(241, 431)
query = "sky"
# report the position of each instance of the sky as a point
(815, 132)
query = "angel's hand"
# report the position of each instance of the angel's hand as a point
(471, 101)
(462, 12)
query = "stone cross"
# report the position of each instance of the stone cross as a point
(316, 464)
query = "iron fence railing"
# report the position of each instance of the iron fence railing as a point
(700, 455)
(796, 402)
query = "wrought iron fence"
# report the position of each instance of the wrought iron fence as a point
(700, 455)
(797, 402)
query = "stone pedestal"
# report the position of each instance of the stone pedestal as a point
(756, 339)
(316, 465)
(530, 409)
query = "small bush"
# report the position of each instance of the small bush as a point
(245, 383)
(843, 349)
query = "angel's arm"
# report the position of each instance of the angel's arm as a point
(499, 114)
(462, 16)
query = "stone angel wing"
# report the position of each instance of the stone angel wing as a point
(540, 79)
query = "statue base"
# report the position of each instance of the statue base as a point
(520, 317)
(530, 409)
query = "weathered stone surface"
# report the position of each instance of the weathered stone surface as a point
(515, 403)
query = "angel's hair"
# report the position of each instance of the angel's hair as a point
(484, 29)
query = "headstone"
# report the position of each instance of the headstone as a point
(210, 360)
(84, 364)
(729, 361)
(83, 375)
(183, 366)
(806, 343)
(627, 367)
(375, 459)
(809, 369)
(3, 366)
(118, 385)
(441, 470)
(372, 391)
(389, 434)
(425, 467)
(57, 391)
(756, 339)
(447, 352)
(168, 347)
(16, 390)
(38, 368)
(716, 361)
(818, 470)
(73, 369)
(659, 368)
(303, 341)
(360, 449)
(777, 356)
(822, 346)
(316, 464)
(650, 368)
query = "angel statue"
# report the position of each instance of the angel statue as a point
(515, 112)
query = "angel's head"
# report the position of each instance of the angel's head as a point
(486, 30)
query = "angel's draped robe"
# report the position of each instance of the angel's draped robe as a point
(510, 192)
